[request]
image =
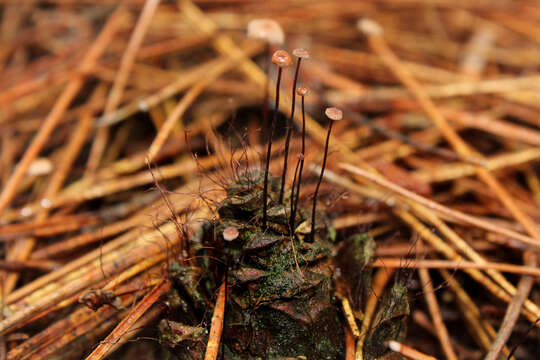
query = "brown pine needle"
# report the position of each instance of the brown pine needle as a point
(408, 352)
(113, 25)
(532, 311)
(350, 317)
(479, 326)
(350, 344)
(449, 93)
(216, 327)
(127, 323)
(379, 45)
(436, 316)
(115, 95)
(441, 208)
(513, 310)
(188, 99)
(41, 265)
(449, 264)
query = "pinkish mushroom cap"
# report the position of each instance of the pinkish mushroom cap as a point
(267, 30)
(334, 113)
(230, 233)
(301, 53)
(302, 90)
(281, 58)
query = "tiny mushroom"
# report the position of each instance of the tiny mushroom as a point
(267, 30)
(334, 113)
(230, 233)
(369, 27)
(301, 53)
(302, 91)
(281, 58)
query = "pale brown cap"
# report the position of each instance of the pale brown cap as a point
(302, 90)
(281, 58)
(334, 113)
(267, 30)
(230, 233)
(369, 27)
(301, 53)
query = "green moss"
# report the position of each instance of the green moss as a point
(363, 248)
(283, 336)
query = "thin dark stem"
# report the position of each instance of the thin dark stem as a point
(269, 151)
(267, 61)
(303, 152)
(319, 182)
(291, 219)
(289, 132)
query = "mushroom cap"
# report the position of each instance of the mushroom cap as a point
(301, 53)
(333, 113)
(369, 27)
(281, 58)
(393, 345)
(230, 233)
(302, 90)
(267, 30)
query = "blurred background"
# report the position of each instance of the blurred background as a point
(441, 98)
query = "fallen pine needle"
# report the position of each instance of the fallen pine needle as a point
(216, 327)
(438, 207)
(449, 264)
(407, 351)
(436, 316)
(123, 327)
(350, 317)
(512, 312)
